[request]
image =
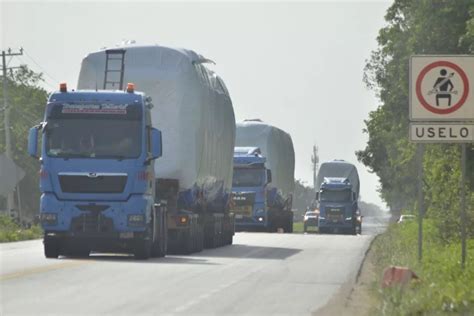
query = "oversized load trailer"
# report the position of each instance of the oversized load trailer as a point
(337, 187)
(193, 108)
(268, 150)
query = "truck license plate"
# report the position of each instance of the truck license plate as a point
(126, 235)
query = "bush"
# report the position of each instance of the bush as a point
(11, 231)
(444, 288)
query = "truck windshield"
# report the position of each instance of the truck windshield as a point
(336, 195)
(93, 138)
(102, 130)
(248, 177)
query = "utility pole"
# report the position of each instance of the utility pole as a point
(8, 149)
(315, 163)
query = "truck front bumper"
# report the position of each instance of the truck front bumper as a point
(98, 219)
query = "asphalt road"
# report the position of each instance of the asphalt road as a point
(290, 274)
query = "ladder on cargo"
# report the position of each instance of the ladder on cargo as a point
(114, 69)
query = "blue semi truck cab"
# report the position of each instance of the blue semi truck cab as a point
(249, 189)
(97, 177)
(338, 208)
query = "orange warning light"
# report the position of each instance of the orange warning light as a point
(130, 87)
(63, 87)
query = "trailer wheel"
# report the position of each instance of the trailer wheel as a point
(290, 225)
(51, 247)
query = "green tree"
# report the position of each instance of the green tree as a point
(415, 27)
(26, 100)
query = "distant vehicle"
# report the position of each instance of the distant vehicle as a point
(263, 181)
(310, 220)
(337, 195)
(406, 218)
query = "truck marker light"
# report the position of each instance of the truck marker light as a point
(130, 87)
(43, 174)
(143, 175)
(183, 219)
(63, 87)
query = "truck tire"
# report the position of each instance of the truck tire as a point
(51, 247)
(142, 250)
(289, 226)
(160, 244)
(143, 247)
(354, 229)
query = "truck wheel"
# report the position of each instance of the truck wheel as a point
(354, 229)
(142, 249)
(51, 247)
(290, 226)
(159, 245)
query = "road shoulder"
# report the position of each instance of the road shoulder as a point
(354, 298)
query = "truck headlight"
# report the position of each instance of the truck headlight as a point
(49, 218)
(136, 220)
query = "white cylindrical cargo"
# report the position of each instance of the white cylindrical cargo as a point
(192, 108)
(338, 169)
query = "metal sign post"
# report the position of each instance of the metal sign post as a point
(420, 154)
(463, 205)
(442, 111)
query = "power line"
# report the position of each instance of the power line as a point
(42, 69)
(43, 79)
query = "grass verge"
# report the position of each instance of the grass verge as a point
(444, 288)
(11, 231)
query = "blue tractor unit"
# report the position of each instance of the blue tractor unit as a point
(338, 209)
(249, 189)
(97, 174)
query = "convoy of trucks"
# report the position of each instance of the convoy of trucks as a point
(166, 169)
(263, 179)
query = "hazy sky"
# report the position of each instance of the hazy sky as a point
(297, 66)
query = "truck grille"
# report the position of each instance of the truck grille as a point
(95, 184)
(335, 214)
(93, 222)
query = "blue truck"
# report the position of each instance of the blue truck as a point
(263, 180)
(337, 198)
(97, 174)
(194, 111)
(249, 188)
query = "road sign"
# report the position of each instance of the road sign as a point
(10, 175)
(440, 132)
(442, 88)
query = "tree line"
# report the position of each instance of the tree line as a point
(416, 27)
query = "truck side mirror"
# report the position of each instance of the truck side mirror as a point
(269, 176)
(317, 196)
(156, 143)
(354, 197)
(33, 142)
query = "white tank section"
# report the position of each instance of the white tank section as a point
(192, 108)
(338, 169)
(276, 145)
